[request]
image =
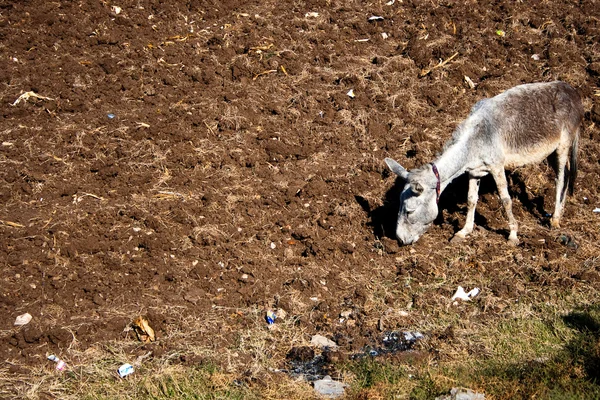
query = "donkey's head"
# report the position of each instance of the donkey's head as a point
(418, 201)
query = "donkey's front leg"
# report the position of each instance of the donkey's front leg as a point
(500, 178)
(472, 198)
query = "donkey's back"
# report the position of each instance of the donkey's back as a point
(532, 121)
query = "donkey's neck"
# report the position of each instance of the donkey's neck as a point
(453, 162)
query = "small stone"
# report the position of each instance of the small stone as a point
(322, 341)
(329, 388)
(288, 253)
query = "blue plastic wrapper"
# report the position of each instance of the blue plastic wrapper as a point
(270, 317)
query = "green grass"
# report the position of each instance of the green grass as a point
(198, 383)
(525, 358)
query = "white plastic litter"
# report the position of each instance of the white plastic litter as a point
(462, 295)
(60, 364)
(23, 319)
(125, 369)
(597, 210)
(375, 18)
(311, 14)
(351, 93)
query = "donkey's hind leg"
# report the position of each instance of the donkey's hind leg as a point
(562, 155)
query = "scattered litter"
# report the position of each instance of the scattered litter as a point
(111, 116)
(304, 364)
(462, 295)
(535, 57)
(27, 95)
(390, 3)
(462, 394)
(125, 369)
(311, 14)
(273, 245)
(500, 33)
(469, 82)
(23, 319)
(375, 18)
(384, 35)
(142, 329)
(596, 210)
(351, 93)
(116, 10)
(60, 364)
(271, 317)
(322, 341)
(329, 388)
(392, 342)
(362, 40)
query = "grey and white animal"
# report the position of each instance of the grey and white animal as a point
(522, 125)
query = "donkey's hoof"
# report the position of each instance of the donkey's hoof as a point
(513, 241)
(555, 223)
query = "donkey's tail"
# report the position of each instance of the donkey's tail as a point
(573, 163)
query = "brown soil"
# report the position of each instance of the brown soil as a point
(196, 160)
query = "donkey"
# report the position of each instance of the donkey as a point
(523, 125)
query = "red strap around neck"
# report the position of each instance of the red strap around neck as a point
(438, 184)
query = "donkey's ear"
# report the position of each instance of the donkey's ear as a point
(397, 168)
